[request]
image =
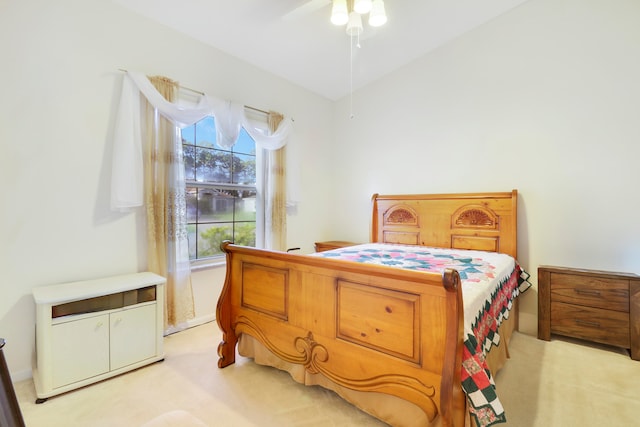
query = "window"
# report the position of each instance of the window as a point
(220, 190)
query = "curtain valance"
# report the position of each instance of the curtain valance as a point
(127, 169)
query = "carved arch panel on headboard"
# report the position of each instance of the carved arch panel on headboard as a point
(482, 221)
(474, 216)
(400, 215)
(401, 224)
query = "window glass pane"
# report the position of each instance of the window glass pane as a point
(188, 135)
(244, 169)
(205, 132)
(245, 234)
(189, 153)
(210, 236)
(213, 165)
(245, 144)
(214, 213)
(215, 205)
(192, 206)
(206, 205)
(245, 206)
(191, 237)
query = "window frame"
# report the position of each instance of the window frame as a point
(259, 122)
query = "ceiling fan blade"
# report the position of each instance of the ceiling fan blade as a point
(305, 9)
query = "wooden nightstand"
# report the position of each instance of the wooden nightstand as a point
(599, 306)
(332, 244)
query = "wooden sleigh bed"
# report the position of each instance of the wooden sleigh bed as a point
(389, 340)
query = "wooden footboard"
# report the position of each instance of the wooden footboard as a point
(365, 327)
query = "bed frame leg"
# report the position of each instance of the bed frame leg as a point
(226, 352)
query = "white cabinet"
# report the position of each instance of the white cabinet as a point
(71, 362)
(132, 335)
(92, 330)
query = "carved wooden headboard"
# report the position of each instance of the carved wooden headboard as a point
(480, 221)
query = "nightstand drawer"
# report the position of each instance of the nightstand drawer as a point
(600, 292)
(594, 324)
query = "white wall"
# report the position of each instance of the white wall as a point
(544, 99)
(60, 88)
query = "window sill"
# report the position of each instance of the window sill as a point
(205, 264)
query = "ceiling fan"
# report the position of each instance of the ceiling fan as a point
(343, 12)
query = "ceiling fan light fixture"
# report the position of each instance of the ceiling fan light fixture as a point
(339, 12)
(362, 6)
(354, 26)
(377, 16)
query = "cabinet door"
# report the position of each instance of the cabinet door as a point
(80, 349)
(133, 335)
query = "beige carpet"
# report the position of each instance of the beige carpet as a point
(558, 383)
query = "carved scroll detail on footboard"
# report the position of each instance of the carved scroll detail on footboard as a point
(313, 356)
(312, 351)
(246, 325)
(382, 382)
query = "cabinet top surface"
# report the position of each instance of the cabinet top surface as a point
(72, 291)
(587, 272)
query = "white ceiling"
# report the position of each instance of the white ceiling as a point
(295, 40)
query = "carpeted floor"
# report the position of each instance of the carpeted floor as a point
(559, 383)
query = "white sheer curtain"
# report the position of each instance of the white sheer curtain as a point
(165, 201)
(148, 170)
(127, 169)
(275, 192)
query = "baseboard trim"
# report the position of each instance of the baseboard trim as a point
(18, 376)
(201, 320)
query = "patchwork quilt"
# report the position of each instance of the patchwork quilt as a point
(490, 283)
